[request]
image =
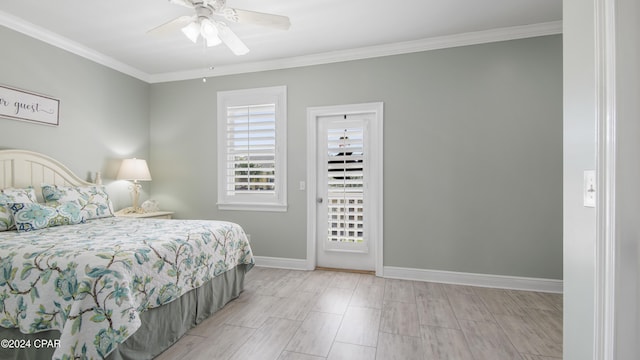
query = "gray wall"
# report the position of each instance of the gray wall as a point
(473, 144)
(104, 114)
(473, 154)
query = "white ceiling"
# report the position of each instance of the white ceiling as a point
(114, 32)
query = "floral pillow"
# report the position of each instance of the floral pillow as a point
(8, 196)
(33, 216)
(93, 200)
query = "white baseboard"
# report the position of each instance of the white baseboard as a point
(447, 277)
(281, 263)
(472, 279)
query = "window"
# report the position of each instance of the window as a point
(252, 149)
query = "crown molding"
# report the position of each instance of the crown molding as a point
(434, 43)
(19, 25)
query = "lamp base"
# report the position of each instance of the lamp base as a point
(135, 195)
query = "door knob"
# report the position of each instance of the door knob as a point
(320, 200)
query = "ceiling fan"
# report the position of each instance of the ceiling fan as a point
(206, 25)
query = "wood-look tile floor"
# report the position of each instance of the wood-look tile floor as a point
(314, 315)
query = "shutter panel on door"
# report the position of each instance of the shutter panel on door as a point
(251, 149)
(345, 180)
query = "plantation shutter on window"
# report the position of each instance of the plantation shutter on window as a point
(345, 181)
(251, 148)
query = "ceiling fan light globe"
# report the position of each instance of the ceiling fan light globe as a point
(192, 31)
(209, 32)
(241, 50)
(207, 28)
(213, 40)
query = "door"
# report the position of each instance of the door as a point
(343, 206)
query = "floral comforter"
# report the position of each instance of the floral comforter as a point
(91, 281)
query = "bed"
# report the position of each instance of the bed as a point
(85, 284)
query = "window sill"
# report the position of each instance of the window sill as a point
(253, 207)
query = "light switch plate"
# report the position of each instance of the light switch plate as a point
(589, 188)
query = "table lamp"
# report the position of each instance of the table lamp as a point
(134, 170)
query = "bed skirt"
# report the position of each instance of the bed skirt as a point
(161, 327)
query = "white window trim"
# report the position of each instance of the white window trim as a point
(256, 202)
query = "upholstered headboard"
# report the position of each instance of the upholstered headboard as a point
(22, 168)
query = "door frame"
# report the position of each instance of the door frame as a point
(375, 184)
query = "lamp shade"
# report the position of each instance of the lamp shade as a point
(134, 169)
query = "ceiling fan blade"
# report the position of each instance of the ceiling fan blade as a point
(257, 18)
(231, 39)
(171, 26)
(185, 3)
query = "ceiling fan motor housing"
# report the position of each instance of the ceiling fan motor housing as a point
(214, 31)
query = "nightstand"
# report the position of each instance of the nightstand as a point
(147, 215)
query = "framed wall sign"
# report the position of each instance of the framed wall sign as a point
(22, 105)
